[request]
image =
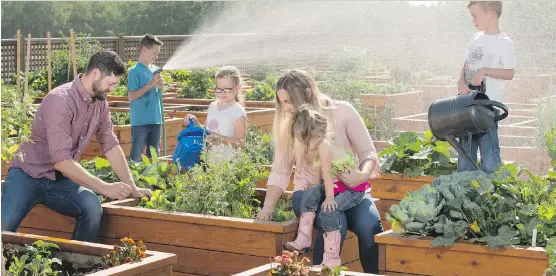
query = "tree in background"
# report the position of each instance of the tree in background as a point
(103, 18)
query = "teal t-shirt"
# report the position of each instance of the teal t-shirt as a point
(145, 110)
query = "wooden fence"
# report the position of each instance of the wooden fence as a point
(125, 46)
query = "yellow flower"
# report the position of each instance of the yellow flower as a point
(475, 227)
(397, 227)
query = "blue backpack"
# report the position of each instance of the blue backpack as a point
(191, 141)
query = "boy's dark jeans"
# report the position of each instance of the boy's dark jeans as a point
(144, 136)
(488, 144)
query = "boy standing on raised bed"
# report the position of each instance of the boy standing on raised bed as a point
(490, 58)
(143, 88)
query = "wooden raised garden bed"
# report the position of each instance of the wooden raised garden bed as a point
(122, 106)
(256, 104)
(264, 269)
(399, 102)
(114, 98)
(412, 255)
(173, 128)
(261, 117)
(5, 166)
(154, 264)
(391, 188)
(202, 243)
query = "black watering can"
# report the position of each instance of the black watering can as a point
(464, 115)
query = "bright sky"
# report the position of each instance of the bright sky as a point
(423, 3)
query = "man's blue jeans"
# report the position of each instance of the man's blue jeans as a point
(363, 220)
(141, 136)
(488, 144)
(21, 193)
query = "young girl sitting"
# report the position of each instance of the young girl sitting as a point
(310, 131)
(226, 117)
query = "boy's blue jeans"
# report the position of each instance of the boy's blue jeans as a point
(21, 193)
(330, 221)
(363, 220)
(141, 136)
(488, 144)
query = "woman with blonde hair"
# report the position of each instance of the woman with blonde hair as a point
(297, 88)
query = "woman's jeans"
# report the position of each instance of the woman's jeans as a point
(20, 193)
(363, 220)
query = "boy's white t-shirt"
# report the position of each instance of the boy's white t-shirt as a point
(223, 121)
(489, 51)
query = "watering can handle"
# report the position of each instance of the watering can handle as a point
(493, 103)
(479, 88)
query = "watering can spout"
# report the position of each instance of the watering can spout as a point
(457, 146)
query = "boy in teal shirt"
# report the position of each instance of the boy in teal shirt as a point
(143, 89)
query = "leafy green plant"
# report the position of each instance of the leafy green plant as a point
(120, 90)
(414, 156)
(120, 118)
(499, 209)
(17, 116)
(197, 84)
(259, 144)
(62, 70)
(263, 90)
(340, 166)
(123, 80)
(327, 271)
(35, 261)
(219, 187)
(283, 210)
(37, 82)
(179, 75)
(214, 187)
(150, 173)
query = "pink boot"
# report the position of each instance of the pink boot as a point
(332, 241)
(304, 233)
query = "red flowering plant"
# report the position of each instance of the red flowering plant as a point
(288, 264)
(127, 253)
